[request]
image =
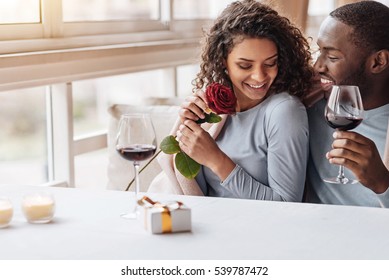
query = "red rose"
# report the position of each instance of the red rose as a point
(221, 99)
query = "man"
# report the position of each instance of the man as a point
(354, 46)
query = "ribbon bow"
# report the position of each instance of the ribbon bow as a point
(164, 208)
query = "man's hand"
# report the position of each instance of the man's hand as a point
(360, 155)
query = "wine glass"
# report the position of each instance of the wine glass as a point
(135, 142)
(344, 111)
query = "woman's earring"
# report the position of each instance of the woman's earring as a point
(226, 71)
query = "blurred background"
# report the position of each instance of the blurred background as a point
(63, 63)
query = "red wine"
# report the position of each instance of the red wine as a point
(137, 152)
(343, 123)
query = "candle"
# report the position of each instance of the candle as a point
(38, 208)
(6, 212)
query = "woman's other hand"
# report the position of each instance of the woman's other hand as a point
(193, 107)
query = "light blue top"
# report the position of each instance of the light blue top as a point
(373, 126)
(269, 144)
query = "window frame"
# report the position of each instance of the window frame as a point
(55, 54)
(52, 26)
(52, 34)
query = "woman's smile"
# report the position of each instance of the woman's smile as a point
(252, 65)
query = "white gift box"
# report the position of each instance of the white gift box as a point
(167, 217)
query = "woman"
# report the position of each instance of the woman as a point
(261, 151)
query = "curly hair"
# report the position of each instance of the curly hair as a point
(370, 23)
(251, 19)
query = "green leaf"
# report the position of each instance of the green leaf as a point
(169, 145)
(187, 166)
(210, 118)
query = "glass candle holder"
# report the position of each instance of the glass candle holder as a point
(38, 208)
(6, 212)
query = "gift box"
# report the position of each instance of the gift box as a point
(159, 217)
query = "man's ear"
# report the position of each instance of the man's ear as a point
(379, 61)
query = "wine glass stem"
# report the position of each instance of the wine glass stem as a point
(341, 173)
(137, 182)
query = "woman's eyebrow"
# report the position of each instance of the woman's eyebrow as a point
(273, 56)
(250, 60)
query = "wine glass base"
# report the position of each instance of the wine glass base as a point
(340, 181)
(129, 216)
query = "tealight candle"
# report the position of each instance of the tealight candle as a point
(38, 208)
(6, 212)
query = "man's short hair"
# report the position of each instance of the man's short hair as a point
(370, 23)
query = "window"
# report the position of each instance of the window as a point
(106, 10)
(92, 98)
(317, 12)
(20, 11)
(200, 9)
(67, 18)
(45, 126)
(23, 142)
(185, 75)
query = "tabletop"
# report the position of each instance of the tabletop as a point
(87, 226)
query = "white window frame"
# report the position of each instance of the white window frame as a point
(59, 69)
(55, 54)
(52, 26)
(53, 34)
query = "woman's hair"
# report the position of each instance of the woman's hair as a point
(251, 19)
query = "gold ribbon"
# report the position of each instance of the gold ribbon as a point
(163, 208)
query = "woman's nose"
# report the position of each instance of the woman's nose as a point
(259, 74)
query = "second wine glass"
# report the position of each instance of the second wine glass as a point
(136, 142)
(344, 111)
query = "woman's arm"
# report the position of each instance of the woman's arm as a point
(287, 136)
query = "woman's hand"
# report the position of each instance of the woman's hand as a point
(194, 107)
(360, 155)
(196, 142)
(201, 147)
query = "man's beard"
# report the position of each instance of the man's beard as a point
(358, 78)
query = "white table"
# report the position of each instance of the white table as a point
(87, 226)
